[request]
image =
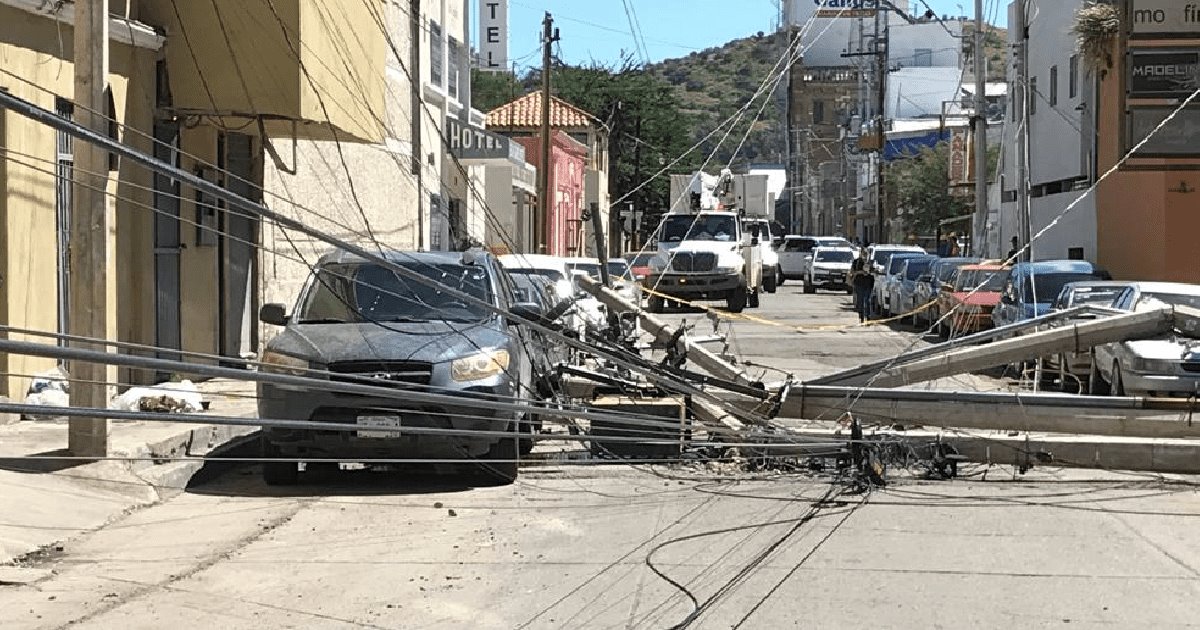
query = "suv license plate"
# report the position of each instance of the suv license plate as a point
(386, 422)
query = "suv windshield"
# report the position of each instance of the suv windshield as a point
(916, 268)
(591, 269)
(367, 292)
(1102, 296)
(1047, 286)
(897, 261)
(881, 256)
(701, 227)
(834, 257)
(799, 245)
(992, 281)
(640, 260)
(551, 274)
(1174, 299)
(620, 270)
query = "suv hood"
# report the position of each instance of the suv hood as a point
(432, 342)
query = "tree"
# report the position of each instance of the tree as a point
(923, 189)
(646, 126)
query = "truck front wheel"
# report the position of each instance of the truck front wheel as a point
(771, 280)
(753, 298)
(655, 304)
(736, 302)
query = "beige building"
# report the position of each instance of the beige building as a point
(250, 94)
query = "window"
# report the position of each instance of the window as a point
(818, 112)
(452, 78)
(436, 58)
(922, 57)
(1033, 96)
(1073, 77)
(1053, 86)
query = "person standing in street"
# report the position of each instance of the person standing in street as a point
(863, 282)
(1014, 252)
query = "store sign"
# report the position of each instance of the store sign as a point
(493, 35)
(1164, 18)
(1178, 138)
(475, 144)
(846, 8)
(1163, 74)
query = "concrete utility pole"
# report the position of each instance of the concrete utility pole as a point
(542, 221)
(1021, 100)
(981, 161)
(88, 236)
(881, 58)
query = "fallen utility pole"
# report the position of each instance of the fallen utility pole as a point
(1072, 337)
(29, 110)
(997, 411)
(862, 374)
(1030, 451)
(665, 334)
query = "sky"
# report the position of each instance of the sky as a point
(599, 29)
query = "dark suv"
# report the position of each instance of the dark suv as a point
(365, 323)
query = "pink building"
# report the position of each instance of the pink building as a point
(577, 149)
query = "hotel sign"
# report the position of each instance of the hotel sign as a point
(493, 35)
(1163, 18)
(1163, 73)
(474, 144)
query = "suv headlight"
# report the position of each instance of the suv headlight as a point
(279, 363)
(1155, 366)
(479, 366)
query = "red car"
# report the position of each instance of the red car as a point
(639, 262)
(975, 295)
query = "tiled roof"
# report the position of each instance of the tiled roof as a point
(527, 112)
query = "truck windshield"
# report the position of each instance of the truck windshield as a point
(352, 293)
(701, 227)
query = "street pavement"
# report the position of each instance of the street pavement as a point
(591, 546)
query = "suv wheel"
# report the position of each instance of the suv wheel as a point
(736, 300)
(1096, 384)
(505, 452)
(771, 280)
(277, 473)
(809, 287)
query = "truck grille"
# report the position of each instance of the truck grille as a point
(698, 261)
(367, 372)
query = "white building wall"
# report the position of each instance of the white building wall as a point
(826, 39)
(1059, 148)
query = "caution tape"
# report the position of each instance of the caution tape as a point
(805, 328)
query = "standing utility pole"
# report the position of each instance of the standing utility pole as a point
(1022, 100)
(981, 161)
(542, 221)
(881, 70)
(88, 230)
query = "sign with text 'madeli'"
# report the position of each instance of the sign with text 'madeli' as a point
(493, 35)
(1159, 73)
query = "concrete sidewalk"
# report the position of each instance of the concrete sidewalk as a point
(47, 500)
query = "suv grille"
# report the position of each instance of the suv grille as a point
(409, 372)
(698, 261)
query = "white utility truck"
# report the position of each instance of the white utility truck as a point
(704, 253)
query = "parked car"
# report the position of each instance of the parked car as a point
(640, 263)
(904, 288)
(1032, 287)
(586, 311)
(968, 307)
(879, 254)
(930, 286)
(829, 269)
(363, 322)
(1166, 366)
(1074, 367)
(888, 276)
(795, 253)
(623, 281)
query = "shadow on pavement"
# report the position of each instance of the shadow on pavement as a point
(32, 463)
(242, 478)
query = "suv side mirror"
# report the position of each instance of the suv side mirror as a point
(274, 314)
(527, 310)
